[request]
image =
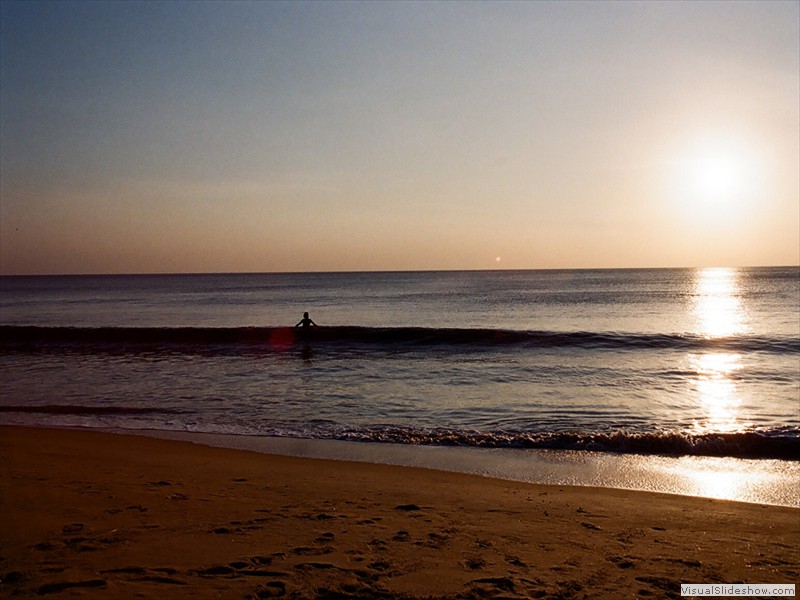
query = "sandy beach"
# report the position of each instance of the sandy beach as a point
(106, 515)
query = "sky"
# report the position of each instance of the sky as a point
(161, 137)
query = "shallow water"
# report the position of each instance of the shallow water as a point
(756, 481)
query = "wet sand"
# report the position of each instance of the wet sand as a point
(106, 515)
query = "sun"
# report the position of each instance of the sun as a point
(719, 170)
(720, 175)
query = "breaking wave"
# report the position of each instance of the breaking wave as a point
(221, 340)
(783, 443)
(778, 443)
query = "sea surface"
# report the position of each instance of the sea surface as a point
(655, 362)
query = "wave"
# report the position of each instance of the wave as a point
(221, 339)
(65, 409)
(781, 443)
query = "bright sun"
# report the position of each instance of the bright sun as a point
(719, 171)
(720, 175)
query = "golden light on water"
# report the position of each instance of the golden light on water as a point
(717, 307)
(714, 483)
(723, 478)
(717, 394)
(719, 314)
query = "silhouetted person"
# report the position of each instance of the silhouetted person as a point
(306, 322)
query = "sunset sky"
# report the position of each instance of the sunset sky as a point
(146, 137)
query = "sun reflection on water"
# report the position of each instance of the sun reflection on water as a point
(717, 307)
(719, 313)
(717, 392)
(723, 478)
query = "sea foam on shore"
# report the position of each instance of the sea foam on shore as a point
(758, 481)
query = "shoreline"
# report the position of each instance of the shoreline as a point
(757, 481)
(124, 515)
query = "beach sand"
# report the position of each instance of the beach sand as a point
(105, 515)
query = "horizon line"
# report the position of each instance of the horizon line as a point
(351, 271)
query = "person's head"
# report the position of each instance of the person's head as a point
(305, 315)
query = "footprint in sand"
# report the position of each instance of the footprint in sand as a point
(473, 564)
(52, 588)
(272, 589)
(401, 536)
(305, 551)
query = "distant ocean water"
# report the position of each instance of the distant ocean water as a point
(656, 361)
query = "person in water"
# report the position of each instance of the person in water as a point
(306, 322)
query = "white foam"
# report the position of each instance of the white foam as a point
(745, 480)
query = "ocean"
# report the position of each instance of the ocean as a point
(670, 364)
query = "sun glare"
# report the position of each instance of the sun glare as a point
(719, 313)
(717, 306)
(718, 177)
(723, 174)
(722, 171)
